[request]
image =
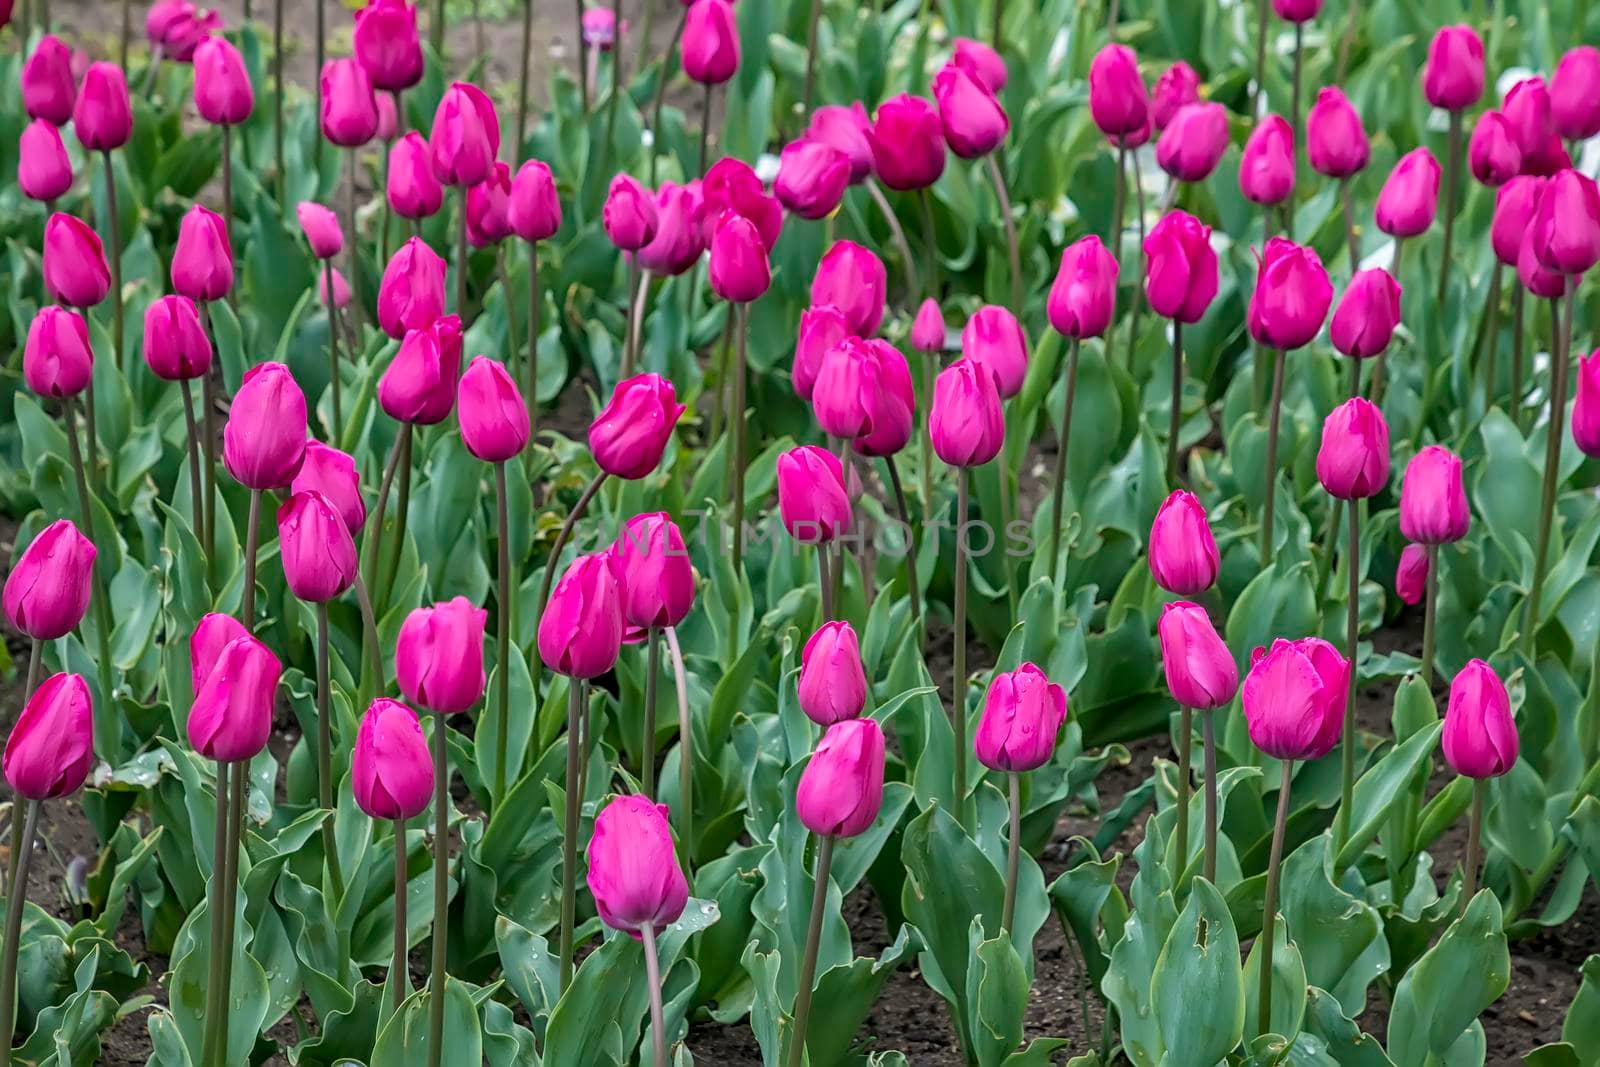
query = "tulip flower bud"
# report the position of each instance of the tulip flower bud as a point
(1083, 296)
(231, 717)
(710, 42)
(47, 592)
(175, 28)
(411, 294)
(1183, 554)
(413, 191)
(321, 227)
(391, 771)
(103, 115)
(1411, 575)
(1022, 715)
(75, 267)
(340, 296)
(1574, 105)
(1193, 142)
(739, 269)
(492, 413)
(1336, 143)
(535, 211)
(1410, 195)
(1480, 736)
(1291, 297)
(841, 788)
(1297, 10)
(1180, 268)
(264, 441)
(1526, 111)
(853, 279)
(49, 89)
(1537, 278)
(821, 327)
(419, 385)
(731, 185)
(654, 576)
(837, 395)
(965, 420)
(222, 92)
(628, 437)
(1199, 668)
(907, 142)
(438, 657)
(629, 214)
(1492, 153)
(466, 136)
(580, 632)
(332, 473)
(57, 360)
(1353, 460)
(51, 748)
(1586, 408)
(1452, 79)
(833, 684)
(600, 28)
(1117, 99)
(633, 870)
(993, 338)
(889, 400)
(1514, 208)
(846, 129)
(349, 108)
(811, 495)
(1365, 320)
(982, 62)
(1566, 226)
(488, 208)
(974, 123)
(1178, 85)
(812, 178)
(175, 343)
(680, 236)
(1294, 698)
(928, 329)
(44, 172)
(1433, 502)
(1266, 170)
(387, 44)
(202, 263)
(318, 553)
(212, 634)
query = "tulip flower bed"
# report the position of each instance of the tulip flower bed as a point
(801, 533)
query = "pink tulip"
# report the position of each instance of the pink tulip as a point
(75, 267)
(413, 191)
(629, 436)
(1200, 670)
(318, 553)
(580, 631)
(465, 138)
(1336, 143)
(1297, 10)
(488, 209)
(175, 28)
(1410, 195)
(710, 49)
(845, 129)
(629, 214)
(391, 770)
(1574, 104)
(57, 360)
(812, 177)
(821, 327)
(211, 635)
(1566, 226)
(982, 62)
(1353, 460)
(47, 591)
(841, 788)
(889, 399)
(854, 280)
(332, 473)
(811, 495)
(411, 294)
(1291, 297)
(1266, 170)
(1178, 85)
(908, 147)
(321, 227)
(49, 89)
(731, 185)
(833, 684)
(419, 385)
(264, 441)
(1294, 698)
(633, 872)
(739, 270)
(535, 211)
(1537, 278)
(438, 656)
(928, 329)
(965, 420)
(1193, 141)
(103, 115)
(1586, 408)
(600, 28)
(837, 395)
(1118, 102)
(222, 92)
(993, 339)
(1514, 207)
(175, 343)
(51, 748)
(1492, 153)
(1480, 736)
(349, 108)
(44, 172)
(1411, 576)
(680, 238)
(1433, 501)
(202, 263)
(231, 717)
(1084, 294)
(492, 413)
(1452, 79)
(339, 297)
(1022, 716)
(654, 575)
(1180, 268)
(974, 123)
(387, 44)
(1365, 320)
(1526, 110)
(1183, 554)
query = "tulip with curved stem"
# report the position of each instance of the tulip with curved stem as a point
(1448, 206)
(16, 880)
(1059, 482)
(808, 965)
(100, 600)
(1560, 347)
(652, 970)
(503, 630)
(441, 890)
(959, 627)
(1269, 912)
(399, 969)
(1275, 409)
(330, 848)
(572, 807)
(685, 752)
(1469, 874)
(911, 553)
(114, 259)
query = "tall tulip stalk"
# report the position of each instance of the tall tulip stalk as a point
(463, 145)
(1337, 147)
(740, 274)
(103, 121)
(1452, 80)
(321, 228)
(1433, 511)
(1180, 283)
(535, 215)
(1479, 742)
(710, 53)
(1119, 104)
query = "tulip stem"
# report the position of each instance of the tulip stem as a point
(522, 80)
(461, 263)
(100, 601)
(1013, 250)
(35, 663)
(808, 965)
(252, 545)
(1272, 457)
(21, 851)
(1347, 754)
(740, 360)
(1210, 730)
(569, 838)
(1138, 290)
(1469, 875)
(503, 630)
(1560, 343)
(402, 512)
(230, 903)
(127, 30)
(652, 970)
(1261, 59)
(562, 536)
(1430, 616)
(214, 900)
(824, 581)
(685, 753)
(583, 56)
(193, 443)
(897, 233)
(1177, 404)
(1491, 358)
(1452, 176)
(374, 528)
(647, 761)
(436, 32)
(705, 127)
(638, 284)
(114, 232)
(1114, 243)
(1013, 849)
(959, 633)
(1515, 400)
(227, 183)
(1351, 237)
(333, 351)
(1060, 480)
(441, 890)
(658, 141)
(811, 59)
(1185, 774)
(1269, 912)
(355, 243)
(912, 583)
(330, 845)
(277, 101)
(399, 972)
(208, 421)
(1294, 121)
(533, 335)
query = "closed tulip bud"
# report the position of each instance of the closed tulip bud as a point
(1411, 575)
(413, 191)
(1480, 736)
(841, 788)
(1526, 110)
(1514, 207)
(488, 209)
(202, 263)
(349, 107)
(846, 129)
(1433, 502)
(535, 211)
(1452, 79)
(833, 684)
(388, 118)
(1118, 102)
(993, 338)
(1586, 408)
(888, 398)
(821, 327)
(387, 44)
(811, 495)
(492, 413)
(1266, 170)
(411, 294)
(50, 749)
(391, 771)
(47, 591)
(1200, 670)
(680, 238)
(965, 420)
(600, 28)
(1178, 85)
(1492, 153)
(212, 634)
(1291, 297)
(853, 279)
(630, 434)
(438, 657)
(466, 136)
(629, 214)
(812, 178)
(57, 360)
(1353, 460)
(1180, 268)
(231, 717)
(974, 122)
(222, 92)
(710, 42)
(739, 269)
(1410, 195)
(1022, 715)
(1365, 320)
(48, 88)
(175, 343)
(419, 385)
(103, 115)
(928, 329)
(982, 62)
(318, 553)
(1193, 142)
(1297, 10)
(837, 395)
(654, 575)
(907, 141)
(332, 473)
(1566, 226)
(1084, 293)
(321, 227)
(1537, 278)
(264, 441)
(732, 185)
(340, 294)
(1574, 104)
(1183, 554)
(75, 267)
(580, 631)
(175, 28)
(633, 871)
(1336, 143)
(1294, 698)
(44, 172)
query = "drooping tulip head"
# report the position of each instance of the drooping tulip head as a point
(411, 294)
(1200, 670)
(315, 546)
(654, 575)
(1180, 268)
(966, 420)
(1365, 320)
(1291, 297)
(47, 591)
(231, 717)
(1336, 142)
(57, 359)
(1353, 459)
(811, 494)
(419, 385)
(581, 628)
(633, 871)
(51, 748)
(1083, 296)
(1433, 500)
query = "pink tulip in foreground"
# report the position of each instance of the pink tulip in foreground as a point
(202, 263)
(411, 294)
(633, 871)
(1410, 197)
(1353, 460)
(1294, 698)
(654, 575)
(465, 137)
(1200, 670)
(438, 656)
(419, 386)
(1452, 79)
(390, 772)
(710, 42)
(231, 717)
(332, 473)
(47, 591)
(974, 122)
(908, 146)
(679, 242)
(1336, 142)
(222, 91)
(1022, 716)
(318, 553)
(629, 436)
(1083, 296)
(1194, 141)
(854, 280)
(493, 416)
(841, 788)
(812, 177)
(57, 359)
(1433, 501)
(49, 88)
(993, 339)
(1479, 742)
(811, 494)
(833, 684)
(1367, 315)
(50, 749)
(580, 629)
(1183, 554)
(1118, 102)
(967, 423)
(1180, 268)
(821, 328)
(44, 171)
(1411, 575)
(102, 118)
(75, 268)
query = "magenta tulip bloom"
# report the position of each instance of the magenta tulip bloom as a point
(489, 207)
(75, 268)
(438, 657)
(321, 227)
(1586, 408)
(1022, 716)
(1574, 104)
(413, 191)
(213, 633)
(1514, 207)
(103, 115)
(580, 631)
(44, 172)
(888, 398)
(1353, 460)
(633, 870)
(332, 473)
(629, 214)
(812, 178)
(811, 494)
(1410, 196)
(1291, 297)
(411, 294)
(47, 592)
(1365, 320)
(387, 44)
(1183, 554)
(1537, 278)
(49, 88)
(654, 575)
(176, 347)
(264, 441)
(982, 62)
(680, 238)
(821, 327)
(1118, 102)
(1492, 153)
(318, 553)
(629, 436)
(51, 748)
(845, 129)
(841, 788)
(731, 185)
(854, 280)
(965, 420)
(928, 329)
(1526, 111)
(1294, 698)
(837, 395)
(1433, 501)
(1297, 10)
(202, 263)
(1177, 86)
(57, 359)
(908, 146)
(391, 771)
(175, 28)
(739, 270)
(974, 122)
(1480, 736)
(1193, 142)
(1566, 226)
(1083, 295)
(535, 210)
(993, 339)
(1336, 142)
(1266, 169)
(493, 416)
(1411, 575)
(1452, 79)
(710, 48)
(1180, 268)
(349, 107)
(231, 717)
(833, 683)
(1199, 668)
(466, 136)
(419, 385)
(222, 91)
